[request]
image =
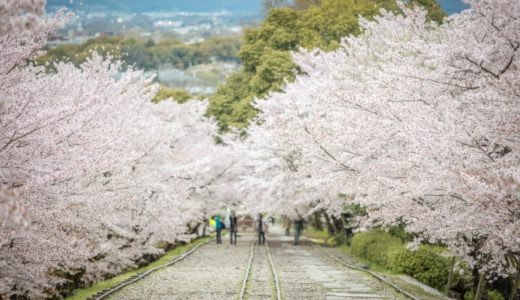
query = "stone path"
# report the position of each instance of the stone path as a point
(216, 272)
(212, 272)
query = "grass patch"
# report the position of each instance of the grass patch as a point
(109, 283)
(321, 237)
(363, 261)
(317, 234)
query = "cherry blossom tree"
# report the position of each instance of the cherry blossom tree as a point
(58, 131)
(74, 140)
(417, 121)
(420, 122)
(149, 195)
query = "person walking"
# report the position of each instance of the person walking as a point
(260, 228)
(218, 227)
(205, 224)
(287, 225)
(233, 228)
(298, 229)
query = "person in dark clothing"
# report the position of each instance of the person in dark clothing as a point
(233, 228)
(260, 228)
(205, 223)
(218, 227)
(298, 229)
(287, 225)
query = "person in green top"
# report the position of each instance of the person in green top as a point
(218, 226)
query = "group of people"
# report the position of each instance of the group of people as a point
(233, 229)
(260, 226)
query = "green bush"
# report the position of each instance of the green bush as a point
(388, 251)
(376, 246)
(399, 231)
(424, 264)
(340, 239)
(494, 295)
(469, 295)
(462, 278)
(491, 295)
(178, 95)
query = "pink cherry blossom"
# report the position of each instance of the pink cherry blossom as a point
(418, 122)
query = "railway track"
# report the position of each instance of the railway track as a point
(372, 274)
(247, 282)
(308, 275)
(245, 288)
(109, 292)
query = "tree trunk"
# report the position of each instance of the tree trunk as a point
(344, 220)
(344, 223)
(196, 230)
(330, 227)
(516, 286)
(480, 287)
(338, 225)
(450, 277)
(317, 221)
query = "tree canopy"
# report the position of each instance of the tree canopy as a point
(266, 50)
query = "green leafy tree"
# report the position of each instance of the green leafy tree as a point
(304, 4)
(435, 11)
(232, 103)
(265, 52)
(275, 67)
(178, 95)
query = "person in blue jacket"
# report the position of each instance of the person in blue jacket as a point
(218, 227)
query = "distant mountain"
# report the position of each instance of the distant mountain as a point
(160, 5)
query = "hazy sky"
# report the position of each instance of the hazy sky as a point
(193, 5)
(164, 5)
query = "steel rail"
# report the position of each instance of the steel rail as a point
(106, 293)
(248, 271)
(273, 270)
(373, 274)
